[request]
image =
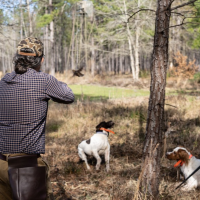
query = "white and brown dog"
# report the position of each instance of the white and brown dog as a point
(97, 145)
(188, 164)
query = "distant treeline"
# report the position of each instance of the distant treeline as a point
(101, 36)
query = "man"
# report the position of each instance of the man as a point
(24, 95)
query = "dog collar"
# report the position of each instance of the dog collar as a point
(107, 130)
(180, 162)
(102, 133)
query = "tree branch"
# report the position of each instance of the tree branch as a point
(184, 4)
(176, 13)
(171, 105)
(145, 9)
(183, 24)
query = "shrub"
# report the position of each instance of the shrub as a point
(183, 68)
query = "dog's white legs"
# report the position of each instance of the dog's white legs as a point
(96, 155)
(191, 184)
(83, 157)
(107, 158)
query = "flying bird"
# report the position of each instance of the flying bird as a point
(78, 72)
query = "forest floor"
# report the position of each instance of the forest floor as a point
(68, 125)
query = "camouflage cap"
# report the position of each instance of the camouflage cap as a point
(30, 47)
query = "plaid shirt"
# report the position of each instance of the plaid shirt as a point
(23, 109)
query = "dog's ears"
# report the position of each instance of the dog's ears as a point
(185, 148)
(110, 124)
(102, 124)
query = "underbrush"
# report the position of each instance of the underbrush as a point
(68, 125)
(107, 79)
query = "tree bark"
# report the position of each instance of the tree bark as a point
(136, 48)
(30, 18)
(120, 63)
(92, 57)
(21, 21)
(85, 44)
(52, 60)
(62, 53)
(113, 62)
(137, 69)
(131, 55)
(155, 120)
(46, 49)
(130, 43)
(72, 38)
(109, 63)
(3, 64)
(78, 50)
(101, 63)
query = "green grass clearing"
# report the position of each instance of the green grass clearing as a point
(94, 92)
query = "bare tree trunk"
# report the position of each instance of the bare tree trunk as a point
(101, 63)
(85, 43)
(24, 27)
(131, 57)
(3, 64)
(65, 58)
(46, 52)
(21, 21)
(155, 121)
(56, 59)
(124, 61)
(136, 49)
(92, 57)
(30, 19)
(113, 62)
(52, 63)
(62, 48)
(81, 52)
(72, 40)
(22, 24)
(120, 63)
(126, 68)
(117, 63)
(78, 50)
(137, 67)
(130, 43)
(109, 63)
(46, 49)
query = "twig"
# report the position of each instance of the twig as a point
(184, 4)
(171, 105)
(145, 9)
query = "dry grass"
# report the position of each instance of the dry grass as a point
(68, 125)
(77, 122)
(125, 80)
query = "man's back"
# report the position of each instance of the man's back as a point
(24, 96)
(23, 109)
